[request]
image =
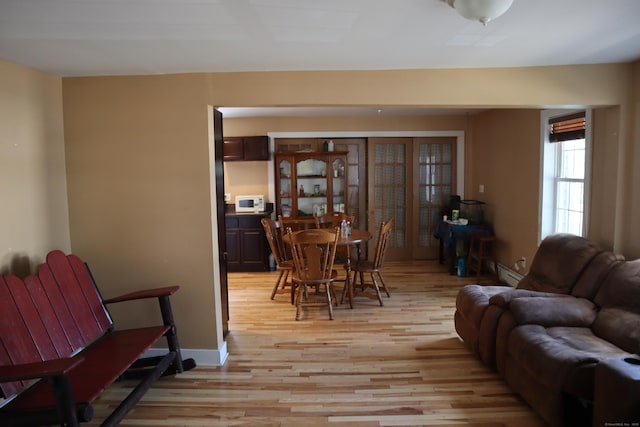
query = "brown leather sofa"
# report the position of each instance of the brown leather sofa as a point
(567, 336)
(556, 267)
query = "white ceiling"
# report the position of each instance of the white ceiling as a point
(115, 37)
(123, 37)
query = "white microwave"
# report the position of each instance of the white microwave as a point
(250, 203)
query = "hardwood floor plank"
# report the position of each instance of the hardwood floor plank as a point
(397, 365)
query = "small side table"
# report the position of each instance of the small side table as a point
(450, 233)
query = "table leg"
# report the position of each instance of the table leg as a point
(348, 284)
(453, 256)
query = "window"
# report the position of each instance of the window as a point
(565, 172)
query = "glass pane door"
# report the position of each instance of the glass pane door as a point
(312, 187)
(338, 185)
(434, 159)
(388, 197)
(411, 180)
(285, 201)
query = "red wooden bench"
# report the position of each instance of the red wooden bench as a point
(59, 349)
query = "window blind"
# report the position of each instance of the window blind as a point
(567, 128)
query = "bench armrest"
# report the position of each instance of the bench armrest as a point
(143, 294)
(29, 371)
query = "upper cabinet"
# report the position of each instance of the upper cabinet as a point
(238, 148)
(310, 183)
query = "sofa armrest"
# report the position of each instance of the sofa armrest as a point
(617, 392)
(553, 311)
(504, 299)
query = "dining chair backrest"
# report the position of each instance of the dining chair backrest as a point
(313, 254)
(272, 230)
(333, 219)
(297, 224)
(384, 235)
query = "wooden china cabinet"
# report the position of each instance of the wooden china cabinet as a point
(311, 183)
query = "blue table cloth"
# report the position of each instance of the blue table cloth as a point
(450, 233)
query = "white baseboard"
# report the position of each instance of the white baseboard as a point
(508, 276)
(203, 357)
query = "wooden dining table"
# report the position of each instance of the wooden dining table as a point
(355, 238)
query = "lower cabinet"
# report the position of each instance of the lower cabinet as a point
(246, 243)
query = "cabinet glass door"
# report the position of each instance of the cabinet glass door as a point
(285, 199)
(338, 185)
(311, 178)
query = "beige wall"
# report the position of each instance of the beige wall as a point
(631, 152)
(505, 153)
(34, 214)
(138, 171)
(137, 150)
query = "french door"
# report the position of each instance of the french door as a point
(410, 180)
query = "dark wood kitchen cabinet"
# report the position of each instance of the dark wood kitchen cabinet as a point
(237, 148)
(247, 248)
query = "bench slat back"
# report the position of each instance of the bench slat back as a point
(50, 315)
(22, 332)
(70, 275)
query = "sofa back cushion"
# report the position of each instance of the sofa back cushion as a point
(618, 320)
(558, 263)
(593, 275)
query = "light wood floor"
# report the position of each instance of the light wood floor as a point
(397, 365)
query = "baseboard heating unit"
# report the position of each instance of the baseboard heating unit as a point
(508, 276)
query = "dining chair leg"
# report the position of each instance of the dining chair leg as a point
(294, 287)
(328, 289)
(277, 286)
(299, 296)
(384, 285)
(347, 290)
(377, 288)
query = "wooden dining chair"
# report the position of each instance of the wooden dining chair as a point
(374, 267)
(298, 223)
(295, 224)
(284, 264)
(313, 253)
(333, 219)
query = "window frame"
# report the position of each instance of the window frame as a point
(549, 152)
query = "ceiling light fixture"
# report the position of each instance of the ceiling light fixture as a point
(481, 10)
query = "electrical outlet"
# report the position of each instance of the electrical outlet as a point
(227, 197)
(522, 262)
(481, 188)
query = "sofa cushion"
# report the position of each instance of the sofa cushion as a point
(554, 311)
(549, 354)
(619, 298)
(558, 263)
(620, 327)
(621, 287)
(592, 276)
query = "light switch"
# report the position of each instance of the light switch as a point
(481, 188)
